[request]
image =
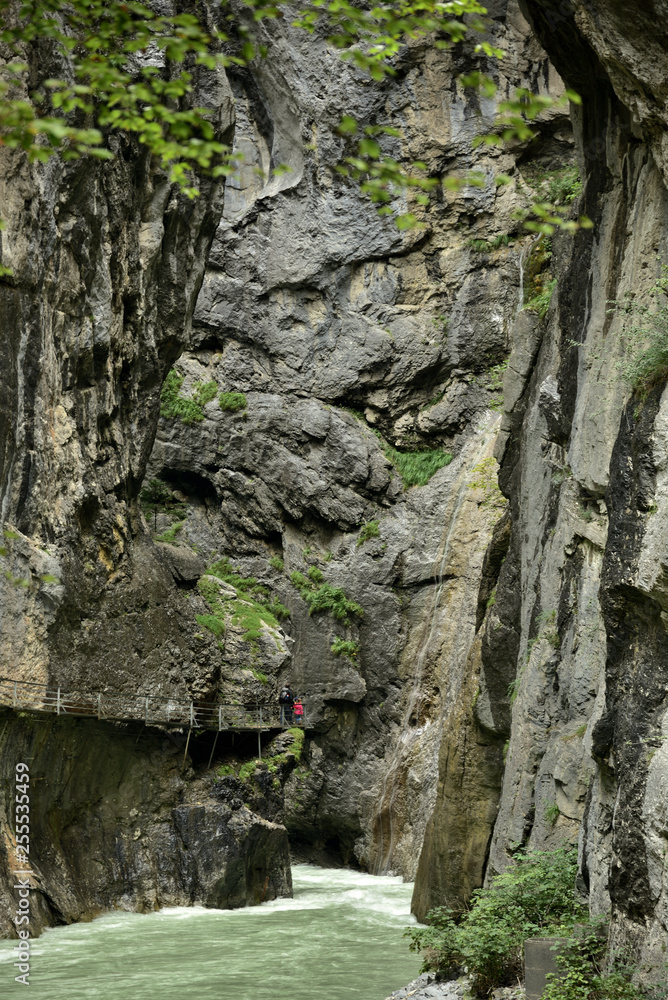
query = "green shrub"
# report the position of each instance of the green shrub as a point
(157, 498)
(587, 973)
(540, 303)
(276, 563)
(232, 402)
(534, 896)
(417, 467)
(325, 598)
(552, 813)
(315, 574)
(169, 536)
(368, 531)
(175, 406)
(277, 609)
(345, 647)
(646, 362)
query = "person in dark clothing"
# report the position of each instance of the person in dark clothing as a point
(286, 701)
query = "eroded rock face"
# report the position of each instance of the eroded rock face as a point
(510, 662)
(107, 260)
(116, 822)
(347, 338)
(580, 600)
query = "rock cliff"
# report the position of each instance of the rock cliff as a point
(577, 624)
(339, 351)
(481, 666)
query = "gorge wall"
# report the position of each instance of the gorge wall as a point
(497, 675)
(579, 605)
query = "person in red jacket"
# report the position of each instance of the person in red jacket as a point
(298, 709)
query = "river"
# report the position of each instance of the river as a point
(339, 938)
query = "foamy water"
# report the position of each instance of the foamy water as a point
(341, 936)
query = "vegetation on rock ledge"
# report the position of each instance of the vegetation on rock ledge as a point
(175, 406)
(322, 597)
(250, 607)
(417, 467)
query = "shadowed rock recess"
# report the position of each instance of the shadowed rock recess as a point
(255, 437)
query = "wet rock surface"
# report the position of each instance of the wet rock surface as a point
(118, 821)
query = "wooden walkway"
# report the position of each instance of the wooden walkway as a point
(152, 711)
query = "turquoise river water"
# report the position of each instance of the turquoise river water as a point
(340, 938)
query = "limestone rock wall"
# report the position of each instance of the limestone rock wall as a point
(572, 653)
(106, 260)
(347, 338)
(508, 687)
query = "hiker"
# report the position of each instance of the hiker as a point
(286, 702)
(298, 709)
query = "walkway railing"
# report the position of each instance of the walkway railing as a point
(117, 707)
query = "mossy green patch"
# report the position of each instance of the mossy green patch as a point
(250, 608)
(232, 402)
(274, 759)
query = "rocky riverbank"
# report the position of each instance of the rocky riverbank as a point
(427, 987)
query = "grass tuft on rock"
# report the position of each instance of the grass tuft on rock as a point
(417, 467)
(251, 608)
(232, 402)
(324, 598)
(368, 531)
(190, 410)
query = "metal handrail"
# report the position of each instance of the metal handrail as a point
(149, 709)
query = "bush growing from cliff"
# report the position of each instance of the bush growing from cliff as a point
(325, 598)
(540, 302)
(646, 362)
(588, 972)
(534, 896)
(170, 535)
(368, 531)
(345, 647)
(175, 406)
(157, 498)
(232, 402)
